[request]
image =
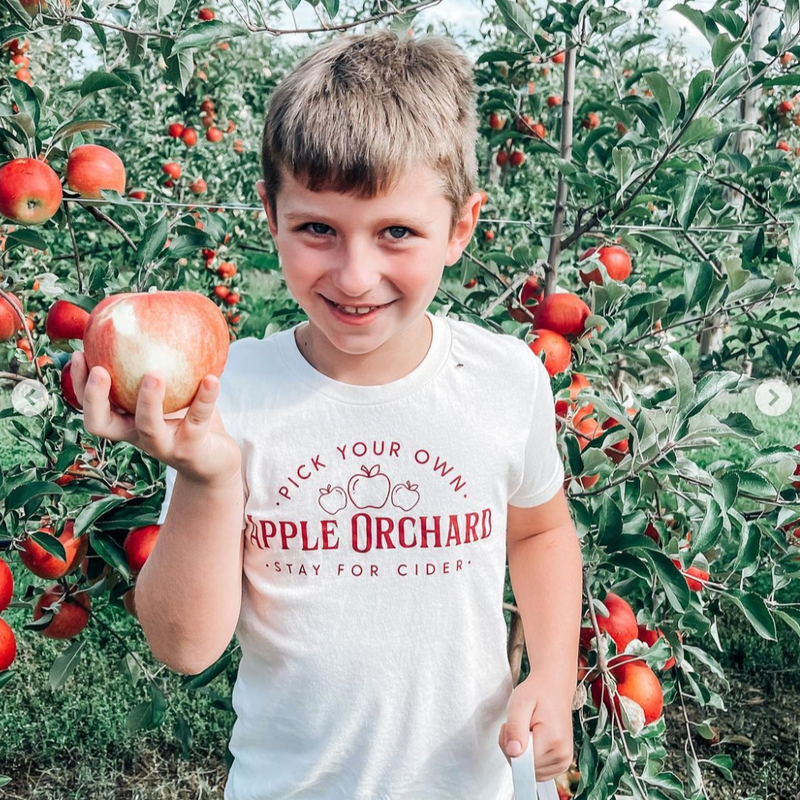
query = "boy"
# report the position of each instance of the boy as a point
(351, 518)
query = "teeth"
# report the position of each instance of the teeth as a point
(354, 310)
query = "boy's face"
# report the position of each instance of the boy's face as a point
(386, 251)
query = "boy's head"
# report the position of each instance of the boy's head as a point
(370, 188)
(362, 111)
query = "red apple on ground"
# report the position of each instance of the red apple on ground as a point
(70, 619)
(65, 321)
(30, 191)
(91, 168)
(183, 335)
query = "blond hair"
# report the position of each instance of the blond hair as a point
(358, 114)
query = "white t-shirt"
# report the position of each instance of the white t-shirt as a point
(373, 640)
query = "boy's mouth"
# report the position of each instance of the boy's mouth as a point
(355, 310)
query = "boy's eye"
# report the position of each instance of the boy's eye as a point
(320, 229)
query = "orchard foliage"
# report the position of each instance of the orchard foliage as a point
(634, 203)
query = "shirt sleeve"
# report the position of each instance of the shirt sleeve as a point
(170, 480)
(542, 468)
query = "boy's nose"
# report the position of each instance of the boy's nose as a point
(357, 274)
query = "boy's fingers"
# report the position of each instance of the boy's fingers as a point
(98, 418)
(200, 412)
(149, 416)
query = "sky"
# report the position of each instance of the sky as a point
(466, 15)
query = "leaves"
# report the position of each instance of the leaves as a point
(205, 34)
(517, 19)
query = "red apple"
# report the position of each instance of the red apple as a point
(183, 335)
(214, 134)
(175, 130)
(45, 565)
(8, 645)
(138, 545)
(30, 191)
(91, 168)
(70, 619)
(614, 258)
(10, 322)
(65, 321)
(6, 585)
(68, 388)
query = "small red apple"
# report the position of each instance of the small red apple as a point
(214, 134)
(175, 130)
(138, 545)
(30, 191)
(10, 322)
(8, 645)
(6, 585)
(189, 137)
(65, 321)
(45, 565)
(91, 168)
(70, 619)
(68, 388)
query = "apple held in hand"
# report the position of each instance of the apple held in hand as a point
(181, 335)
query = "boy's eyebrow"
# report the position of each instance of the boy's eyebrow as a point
(414, 222)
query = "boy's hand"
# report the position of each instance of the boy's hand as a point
(193, 441)
(536, 704)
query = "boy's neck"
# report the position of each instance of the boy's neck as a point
(390, 362)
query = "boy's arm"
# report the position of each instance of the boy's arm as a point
(545, 566)
(189, 592)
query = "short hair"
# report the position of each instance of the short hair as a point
(360, 112)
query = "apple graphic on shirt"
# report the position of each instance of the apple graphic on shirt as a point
(369, 488)
(332, 500)
(405, 495)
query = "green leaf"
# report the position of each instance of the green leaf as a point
(684, 382)
(180, 67)
(26, 99)
(695, 17)
(755, 288)
(710, 528)
(112, 553)
(791, 617)
(700, 130)
(65, 664)
(51, 544)
(21, 495)
(97, 81)
(9, 32)
(94, 510)
(722, 49)
(710, 386)
(507, 56)
(517, 19)
(204, 34)
(137, 47)
(755, 610)
(147, 715)
(697, 88)
(332, 7)
(686, 208)
(741, 424)
(24, 237)
(207, 675)
(669, 101)
(153, 241)
(78, 126)
(675, 586)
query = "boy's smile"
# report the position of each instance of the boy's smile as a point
(388, 251)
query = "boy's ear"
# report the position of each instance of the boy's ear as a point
(464, 229)
(261, 188)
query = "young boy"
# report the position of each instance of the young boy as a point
(388, 461)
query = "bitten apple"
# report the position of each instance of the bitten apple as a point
(183, 335)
